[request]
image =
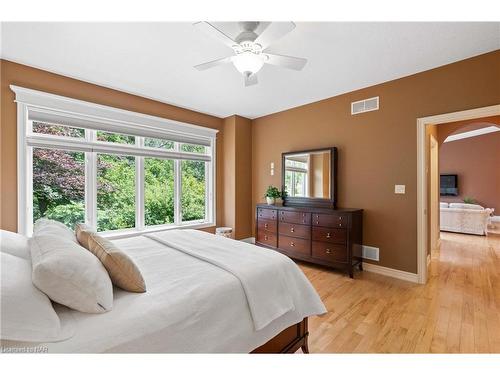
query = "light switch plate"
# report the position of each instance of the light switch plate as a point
(399, 189)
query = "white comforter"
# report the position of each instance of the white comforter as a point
(265, 275)
(190, 305)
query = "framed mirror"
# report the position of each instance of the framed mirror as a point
(309, 177)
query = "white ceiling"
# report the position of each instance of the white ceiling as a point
(156, 60)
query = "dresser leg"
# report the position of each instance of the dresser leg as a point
(361, 266)
(351, 273)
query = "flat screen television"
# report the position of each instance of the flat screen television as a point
(448, 184)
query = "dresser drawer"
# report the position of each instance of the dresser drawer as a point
(329, 252)
(267, 238)
(267, 225)
(332, 235)
(266, 213)
(295, 217)
(324, 220)
(295, 245)
(295, 230)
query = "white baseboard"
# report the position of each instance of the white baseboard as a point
(495, 219)
(391, 272)
(248, 240)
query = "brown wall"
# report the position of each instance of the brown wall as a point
(377, 149)
(237, 175)
(476, 161)
(21, 75)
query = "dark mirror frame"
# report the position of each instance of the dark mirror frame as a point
(313, 202)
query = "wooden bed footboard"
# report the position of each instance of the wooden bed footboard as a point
(287, 341)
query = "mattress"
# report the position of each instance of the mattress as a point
(191, 306)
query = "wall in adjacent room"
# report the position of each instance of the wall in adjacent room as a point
(476, 161)
(25, 76)
(377, 149)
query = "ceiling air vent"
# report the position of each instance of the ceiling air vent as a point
(366, 105)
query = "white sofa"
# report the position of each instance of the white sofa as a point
(464, 218)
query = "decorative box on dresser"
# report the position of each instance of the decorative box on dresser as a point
(325, 236)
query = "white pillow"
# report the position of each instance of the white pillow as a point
(14, 244)
(51, 227)
(26, 313)
(70, 275)
(467, 206)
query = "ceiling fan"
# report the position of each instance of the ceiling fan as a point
(250, 49)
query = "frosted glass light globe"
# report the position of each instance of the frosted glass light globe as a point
(248, 62)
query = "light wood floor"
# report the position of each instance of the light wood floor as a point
(458, 310)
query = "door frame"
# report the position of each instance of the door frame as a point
(434, 177)
(422, 198)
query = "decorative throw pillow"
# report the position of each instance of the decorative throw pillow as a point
(26, 313)
(467, 206)
(14, 244)
(70, 275)
(83, 232)
(51, 227)
(122, 270)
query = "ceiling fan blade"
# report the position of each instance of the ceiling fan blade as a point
(209, 29)
(213, 63)
(251, 80)
(273, 32)
(290, 62)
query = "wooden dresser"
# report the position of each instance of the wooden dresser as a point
(330, 237)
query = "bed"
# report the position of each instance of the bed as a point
(191, 306)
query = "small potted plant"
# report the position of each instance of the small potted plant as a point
(272, 193)
(469, 200)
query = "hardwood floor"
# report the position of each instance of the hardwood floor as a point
(457, 311)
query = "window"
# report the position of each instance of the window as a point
(126, 172)
(193, 190)
(58, 185)
(158, 191)
(115, 192)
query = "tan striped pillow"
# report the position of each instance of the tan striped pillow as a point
(83, 232)
(121, 269)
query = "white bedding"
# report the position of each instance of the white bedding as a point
(264, 275)
(190, 306)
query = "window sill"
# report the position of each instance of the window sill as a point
(126, 233)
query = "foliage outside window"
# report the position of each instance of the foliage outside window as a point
(158, 191)
(59, 185)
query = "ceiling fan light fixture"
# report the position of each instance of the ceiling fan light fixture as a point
(248, 62)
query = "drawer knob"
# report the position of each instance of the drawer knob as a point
(292, 230)
(340, 224)
(328, 251)
(292, 244)
(317, 222)
(328, 235)
(265, 237)
(266, 225)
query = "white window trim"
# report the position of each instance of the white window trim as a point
(41, 106)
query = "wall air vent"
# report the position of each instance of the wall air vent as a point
(370, 252)
(366, 105)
